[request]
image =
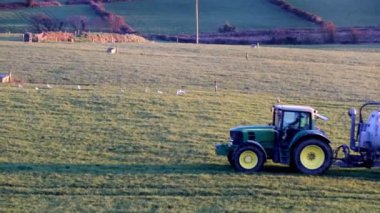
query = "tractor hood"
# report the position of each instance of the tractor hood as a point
(265, 134)
(256, 127)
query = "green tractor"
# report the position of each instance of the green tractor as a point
(292, 139)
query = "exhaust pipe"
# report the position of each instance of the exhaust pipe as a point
(352, 114)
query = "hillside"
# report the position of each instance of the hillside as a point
(344, 13)
(119, 145)
(173, 17)
(163, 17)
(20, 20)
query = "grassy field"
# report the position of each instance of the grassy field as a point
(118, 145)
(344, 13)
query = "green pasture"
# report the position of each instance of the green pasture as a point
(20, 20)
(168, 17)
(11, 37)
(11, 1)
(344, 13)
(178, 17)
(119, 145)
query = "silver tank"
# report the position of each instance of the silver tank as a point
(370, 135)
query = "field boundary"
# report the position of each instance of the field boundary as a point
(342, 35)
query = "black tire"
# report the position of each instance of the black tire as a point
(292, 165)
(312, 157)
(249, 159)
(231, 159)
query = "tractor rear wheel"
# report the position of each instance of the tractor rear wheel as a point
(249, 159)
(312, 157)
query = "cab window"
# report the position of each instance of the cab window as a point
(296, 120)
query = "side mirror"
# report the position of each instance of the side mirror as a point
(352, 112)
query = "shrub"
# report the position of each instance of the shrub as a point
(355, 35)
(77, 2)
(298, 12)
(30, 3)
(330, 30)
(41, 22)
(78, 23)
(227, 28)
(116, 22)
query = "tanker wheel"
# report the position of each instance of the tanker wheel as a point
(312, 157)
(249, 159)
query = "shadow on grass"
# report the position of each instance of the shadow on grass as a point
(134, 169)
(333, 172)
(355, 173)
(358, 173)
(115, 169)
(279, 169)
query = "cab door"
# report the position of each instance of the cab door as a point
(292, 123)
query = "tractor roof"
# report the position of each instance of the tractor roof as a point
(295, 108)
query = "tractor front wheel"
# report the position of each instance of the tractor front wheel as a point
(231, 159)
(249, 159)
(312, 157)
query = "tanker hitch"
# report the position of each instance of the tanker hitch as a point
(367, 159)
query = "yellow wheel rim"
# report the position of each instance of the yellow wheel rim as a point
(312, 157)
(248, 159)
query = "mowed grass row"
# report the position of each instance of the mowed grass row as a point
(92, 120)
(117, 144)
(313, 73)
(67, 149)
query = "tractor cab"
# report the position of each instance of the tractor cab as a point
(292, 123)
(289, 120)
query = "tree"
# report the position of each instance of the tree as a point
(118, 24)
(30, 3)
(330, 30)
(355, 35)
(78, 23)
(227, 28)
(41, 22)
